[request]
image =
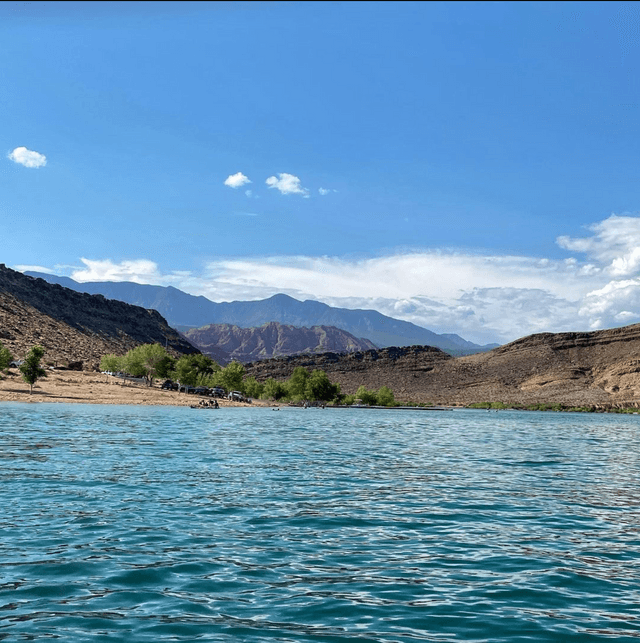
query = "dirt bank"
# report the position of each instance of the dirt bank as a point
(94, 388)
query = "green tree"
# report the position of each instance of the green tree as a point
(232, 376)
(274, 390)
(147, 361)
(297, 383)
(186, 371)
(111, 363)
(385, 396)
(367, 396)
(165, 366)
(319, 387)
(31, 369)
(253, 388)
(5, 358)
(195, 369)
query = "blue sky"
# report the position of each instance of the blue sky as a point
(470, 167)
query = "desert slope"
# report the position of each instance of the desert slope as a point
(74, 326)
(599, 368)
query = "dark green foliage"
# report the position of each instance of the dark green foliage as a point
(319, 387)
(368, 397)
(5, 358)
(385, 396)
(253, 388)
(231, 377)
(31, 369)
(192, 370)
(297, 383)
(165, 366)
(274, 390)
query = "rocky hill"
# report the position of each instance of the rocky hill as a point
(74, 326)
(226, 342)
(600, 368)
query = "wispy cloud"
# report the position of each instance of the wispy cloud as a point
(30, 268)
(140, 271)
(325, 191)
(287, 184)
(28, 158)
(236, 180)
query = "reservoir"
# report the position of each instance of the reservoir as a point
(158, 524)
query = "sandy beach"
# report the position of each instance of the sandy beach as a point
(83, 387)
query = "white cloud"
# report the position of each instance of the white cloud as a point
(615, 244)
(287, 184)
(31, 268)
(483, 298)
(325, 191)
(140, 271)
(236, 180)
(28, 158)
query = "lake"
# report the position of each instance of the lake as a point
(165, 524)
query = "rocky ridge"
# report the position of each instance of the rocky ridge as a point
(227, 342)
(74, 326)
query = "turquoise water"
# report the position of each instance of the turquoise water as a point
(152, 524)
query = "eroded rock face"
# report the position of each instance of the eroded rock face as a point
(73, 326)
(226, 342)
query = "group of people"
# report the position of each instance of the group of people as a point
(212, 403)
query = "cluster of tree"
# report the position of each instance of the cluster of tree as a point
(302, 385)
(5, 358)
(382, 397)
(30, 368)
(150, 361)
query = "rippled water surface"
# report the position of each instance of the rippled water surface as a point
(154, 524)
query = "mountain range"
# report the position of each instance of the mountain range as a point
(599, 369)
(184, 311)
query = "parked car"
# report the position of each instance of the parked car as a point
(168, 385)
(218, 391)
(236, 396)
(201, 390)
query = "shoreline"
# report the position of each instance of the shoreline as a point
(84, 387)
